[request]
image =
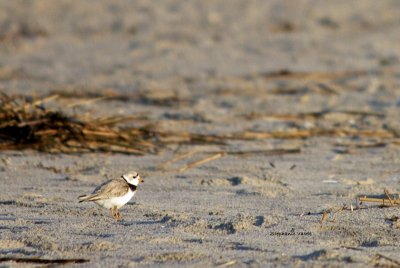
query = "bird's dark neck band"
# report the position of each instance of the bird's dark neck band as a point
(131, 186)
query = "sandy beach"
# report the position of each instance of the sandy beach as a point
(306, 94)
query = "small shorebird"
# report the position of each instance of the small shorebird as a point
(115, 193)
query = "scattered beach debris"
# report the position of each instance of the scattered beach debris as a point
(177, 158)
(314, 132)
(226, 264)
(330, 181)
(42, 260)
(375, 260)
(147, 97)
(201, 161)
(314, 115)
(395, 221)
(218, 154)
(387, 200)
(368, 181)
(331, 213)
(272, 164)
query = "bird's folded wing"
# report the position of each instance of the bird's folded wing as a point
(110, 189)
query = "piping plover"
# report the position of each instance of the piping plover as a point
(113, 194)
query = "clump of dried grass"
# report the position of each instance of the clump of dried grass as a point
(27, 124)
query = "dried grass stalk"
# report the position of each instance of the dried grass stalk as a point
(201, 161)
(383, 201)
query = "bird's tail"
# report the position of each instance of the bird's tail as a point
(84, 198)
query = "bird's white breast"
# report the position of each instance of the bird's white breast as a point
(116, 201)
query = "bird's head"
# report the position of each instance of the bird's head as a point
(132, 178)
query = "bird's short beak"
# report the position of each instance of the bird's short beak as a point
(141, 180)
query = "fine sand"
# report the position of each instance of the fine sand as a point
(215, 68)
